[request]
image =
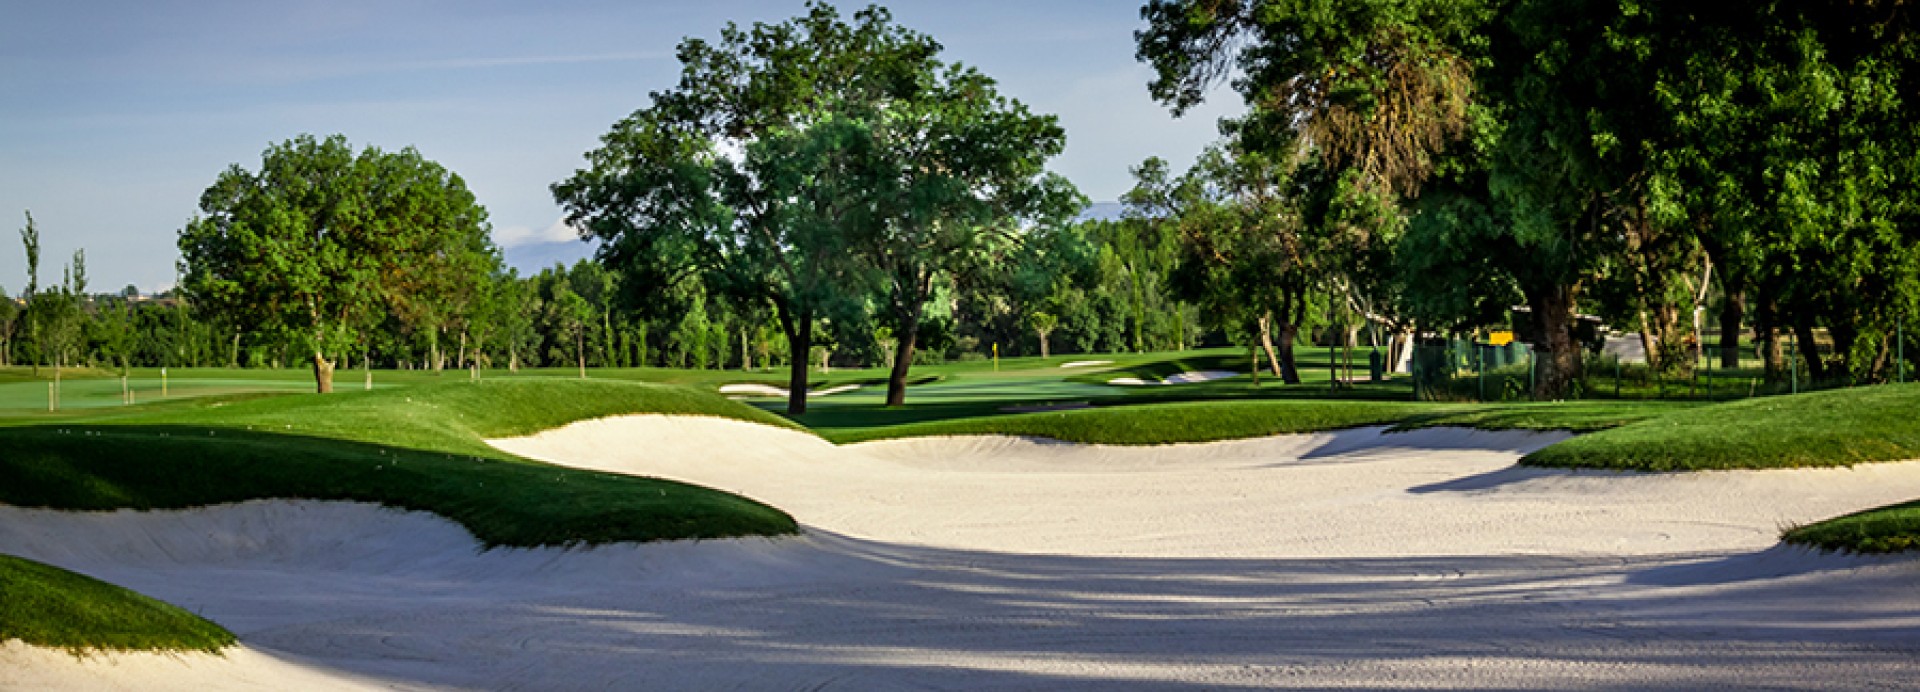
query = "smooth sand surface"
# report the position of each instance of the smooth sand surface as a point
(1352, 558)
(752, 390)
(1188, 377)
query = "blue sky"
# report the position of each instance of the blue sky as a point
(116, 115)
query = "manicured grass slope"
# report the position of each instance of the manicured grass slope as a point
(417, 448)
(51, 607)
(1160, 423)
(1830, 428)
(1888, 529)
(1206, 421)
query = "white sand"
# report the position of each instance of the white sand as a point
(1181, 378)
(751, 389)
(1340, 559)
(1085, 363)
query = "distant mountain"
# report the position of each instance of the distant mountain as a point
(1102, 211)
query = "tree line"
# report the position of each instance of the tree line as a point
(828, 191)
(1433, 165)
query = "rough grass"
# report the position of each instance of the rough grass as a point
(1889, 529)
(1830, 428)
(47, 606)
(417, 448)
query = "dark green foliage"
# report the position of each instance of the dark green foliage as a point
(322, 243)
(47, 606)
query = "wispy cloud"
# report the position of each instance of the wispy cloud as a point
(519, 236)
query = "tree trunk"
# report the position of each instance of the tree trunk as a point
(1808, 347)
(746, 357)
(1649, 342)
(800, 346)
(1289, 368)
(1266, 342)
(1552, 308)
(902, 361)
(1882, 357)
(1044, 354)
(322, 373)
(1766, 335)
(580, 349)
(1845, 335)
(1732, 310)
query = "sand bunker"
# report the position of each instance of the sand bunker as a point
(1350, 558)
(1085, 363)
(770, 390)
(1182, 378)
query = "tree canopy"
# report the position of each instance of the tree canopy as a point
(817, 166)
(322, 243)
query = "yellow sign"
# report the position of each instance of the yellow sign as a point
(1500, 338)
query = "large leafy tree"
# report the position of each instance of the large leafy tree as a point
(1247, 229)
(811, 164)
(957, 173)
(707, 182)
(322, 242)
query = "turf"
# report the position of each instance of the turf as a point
(1149, 422)
(1830, 428)
(417, 448)
(47, 606)
(1890, 529)
(1159, 423)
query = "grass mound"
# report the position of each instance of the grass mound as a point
(47, 606)
(1831, 428)
(1147, 424)
(1208, 421)
(419, 448)
(1889, 529)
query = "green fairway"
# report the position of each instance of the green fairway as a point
(408, 447)
(416, 440)
(1831, 428)
(47, 606)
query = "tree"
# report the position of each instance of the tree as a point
(9, 320)
(1246, 227)
(697, 186)
(30, 238)
(320, 243)
(956, 173)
